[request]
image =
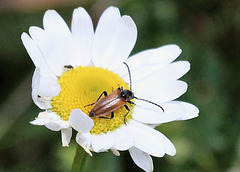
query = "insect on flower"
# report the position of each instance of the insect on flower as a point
(68, 61)
(111, 102)
(68, 67)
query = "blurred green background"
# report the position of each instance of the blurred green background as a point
(208, 31)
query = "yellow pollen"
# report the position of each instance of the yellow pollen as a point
(82, 86)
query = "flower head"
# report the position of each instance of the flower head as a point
(85, 80)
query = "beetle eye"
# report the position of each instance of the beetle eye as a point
(123, 94)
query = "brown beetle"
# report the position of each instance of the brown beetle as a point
(115, 100)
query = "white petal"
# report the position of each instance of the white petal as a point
(55, 121)
(191, 111)
(66, 136)
(104, 33)
(80, 121)
(148, 114)
(49, 87)
(36, 55)
(161, 92)
(122, 141)
(115, 152)
(51, 49)
(82, 31)
(39, 121)
(41, 103)
(173, 111)
(45, 117)
(54, 126)
(150, 141)
(55, 42)
(84, 141)
(54, 24)
(170, 72)
(141, 159)
(35, 86)
(101, 142)
(148, 62)
(86, 149)
(64, 124)
(51, 115)
(122, 43)
(173, 71)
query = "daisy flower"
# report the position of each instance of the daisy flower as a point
(74, 67)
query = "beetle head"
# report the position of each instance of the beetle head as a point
(127, 94)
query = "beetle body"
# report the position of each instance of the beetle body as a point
(68, 67)
(115, 100)
(111, 102)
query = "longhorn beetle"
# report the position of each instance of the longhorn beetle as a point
(118, 98)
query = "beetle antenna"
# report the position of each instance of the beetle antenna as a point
(150, 102)
(129, 73)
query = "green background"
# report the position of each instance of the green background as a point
(207, 31)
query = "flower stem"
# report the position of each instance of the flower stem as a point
(79, 160)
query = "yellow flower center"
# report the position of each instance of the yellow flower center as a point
(82, 86)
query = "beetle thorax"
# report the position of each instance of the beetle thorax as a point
(127, 94)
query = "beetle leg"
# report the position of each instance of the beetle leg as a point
(112, 115)
(131, 102)
(128, 109)
(105, 94)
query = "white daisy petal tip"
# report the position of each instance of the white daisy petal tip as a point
(83, 34)
(24, 36)
(38, 121)
(80, 121)
(172, 151)
(112, 10)
(86, 149)
(50, 12)
(115, 152)
(173, 49)
(66, 136)
(141, 159)
(191, 111)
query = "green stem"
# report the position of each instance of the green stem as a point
(79, 160)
